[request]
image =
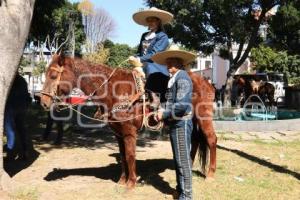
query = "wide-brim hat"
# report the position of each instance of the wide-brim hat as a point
(141, 16)
(174, 52)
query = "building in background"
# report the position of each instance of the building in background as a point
(35, 57)
(215, 68)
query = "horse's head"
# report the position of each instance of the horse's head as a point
(240, 81)
(60, 80)
(239, 84)
(255, 85)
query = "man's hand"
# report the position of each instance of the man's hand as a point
(159, 116)
(135, 61)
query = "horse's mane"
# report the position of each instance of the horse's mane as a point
(80, 65)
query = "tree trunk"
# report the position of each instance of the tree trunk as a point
(228, 87)
(15, 18)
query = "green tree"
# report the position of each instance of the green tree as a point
(52, 18)
(42, 20)
(98, 57)
(62, 17)
(113, 55)
(118, 53)
(285, 27)
(206, 24)
(39, 68)
(267, 59)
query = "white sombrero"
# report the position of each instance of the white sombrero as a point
(174, 52)
(141, 16)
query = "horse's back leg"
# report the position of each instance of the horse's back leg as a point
(206, 126)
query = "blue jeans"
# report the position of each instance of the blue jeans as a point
(14, 125)
(180, 136)
(9, 125)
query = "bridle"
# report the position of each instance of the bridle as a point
(53, 93)
(60, 70)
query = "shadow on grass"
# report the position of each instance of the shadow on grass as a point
(276, 168)
(74, 136)
(198, 174)
(148, 170)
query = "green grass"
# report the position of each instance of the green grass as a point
(275, 178)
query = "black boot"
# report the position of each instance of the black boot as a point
(10, 155)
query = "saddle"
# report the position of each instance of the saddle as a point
(139, 96)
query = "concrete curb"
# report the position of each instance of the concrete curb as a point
(258, 126)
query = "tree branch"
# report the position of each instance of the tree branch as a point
(252, 41)
(239, 53)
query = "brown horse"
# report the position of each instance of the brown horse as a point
(261, 88)
(110, 87)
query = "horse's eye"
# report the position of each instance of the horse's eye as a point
(53, 75)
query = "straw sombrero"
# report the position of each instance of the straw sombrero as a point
(141, 16)
(174, 52)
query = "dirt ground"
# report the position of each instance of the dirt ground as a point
(85, 167)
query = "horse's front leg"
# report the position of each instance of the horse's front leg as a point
(130, 148)
(124, 173)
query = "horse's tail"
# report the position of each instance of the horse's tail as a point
(203, 150)
(201, 139)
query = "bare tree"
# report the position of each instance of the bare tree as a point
(99, 26)
(15, 18)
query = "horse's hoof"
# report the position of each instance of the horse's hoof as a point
(122, 181)
(130, 185)
(209, 179)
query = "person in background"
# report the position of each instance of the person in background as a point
(178, 115)
(152, 42)
(14, 119)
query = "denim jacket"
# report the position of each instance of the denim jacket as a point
(179, 96)
(157, 44)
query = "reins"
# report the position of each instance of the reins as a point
(105, 82)
(145, 120)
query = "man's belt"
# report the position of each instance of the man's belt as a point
(186, 116)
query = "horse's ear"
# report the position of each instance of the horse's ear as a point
(55, 57)
(59, 53)
(58, 58)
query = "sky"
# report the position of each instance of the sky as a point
(127, 31)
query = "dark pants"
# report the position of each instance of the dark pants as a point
(9, 125)
(14, 124)
(180, 136)
(157, 83)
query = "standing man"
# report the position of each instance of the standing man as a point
(14, 120)
(178, 115)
